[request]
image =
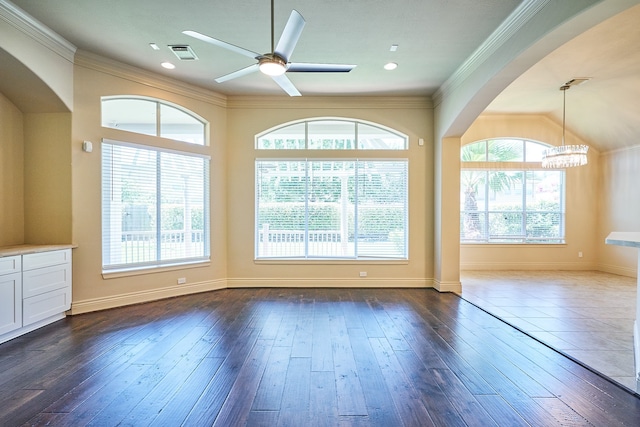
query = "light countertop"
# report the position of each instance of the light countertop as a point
(31, 249)
(624, 238)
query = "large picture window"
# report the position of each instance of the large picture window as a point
(507, 197)
(155, 208)
(328, 207)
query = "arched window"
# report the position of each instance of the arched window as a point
(315, 200)
(155, 200)
(331, 134)
(153, 117)
(507, 197)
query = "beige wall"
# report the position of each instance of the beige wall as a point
(47, 175)
(63, 196)
(11, 174)
(250, 116)
(35, 176)
(581, 204)
(618, 208)
(95, 78)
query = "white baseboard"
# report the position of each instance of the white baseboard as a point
(636, 347)
(575, 266)
(113, 301)
(455, 287)
(616, 269)
(360, 282)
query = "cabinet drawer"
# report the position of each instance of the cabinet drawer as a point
(46, 259)
(10, 264)
(36, 282)
(45, 305)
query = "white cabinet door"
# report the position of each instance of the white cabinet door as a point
(10, 302)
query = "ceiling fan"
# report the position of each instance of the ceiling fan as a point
(276, 63)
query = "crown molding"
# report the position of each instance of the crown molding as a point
(510, 26)
(333, 102)
(117, 69)
(621, 150)
(35, 29)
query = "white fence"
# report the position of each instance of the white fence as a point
(283, 243)
(140, 246)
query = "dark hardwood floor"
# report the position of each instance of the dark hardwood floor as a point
(299, 357)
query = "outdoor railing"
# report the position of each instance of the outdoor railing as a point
(140, 246)
(284, 243)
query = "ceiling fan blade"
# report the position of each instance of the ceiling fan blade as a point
(290, 35)
(306, 67)
(222, 44)
(284, 82)
(241, 72)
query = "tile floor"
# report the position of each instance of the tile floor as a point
(587, 315)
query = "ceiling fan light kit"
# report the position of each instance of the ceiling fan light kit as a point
(275, 63)
(565, 156)
(272, 66)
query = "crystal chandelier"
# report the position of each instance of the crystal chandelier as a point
(564, 156)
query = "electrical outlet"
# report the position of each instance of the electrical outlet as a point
(580, 254)
(363, 274)
(182, 280)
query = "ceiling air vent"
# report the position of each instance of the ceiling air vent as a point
(183, 52)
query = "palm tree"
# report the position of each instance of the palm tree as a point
(497, 181)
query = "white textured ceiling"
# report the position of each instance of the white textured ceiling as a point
(605, 111)
(434, 37)
(431, 44)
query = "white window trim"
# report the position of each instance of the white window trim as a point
(120, 270)
(516, 166)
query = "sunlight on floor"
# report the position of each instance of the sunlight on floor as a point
(587, 315)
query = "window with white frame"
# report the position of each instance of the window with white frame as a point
(341, 207)
(507, 197)
(155, 201)
(154, 117)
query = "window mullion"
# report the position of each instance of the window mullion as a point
(306, 208)
(158, 120)
(356, 207)
(158, 207)
(487, 232)
(524, 205)
(306, 135)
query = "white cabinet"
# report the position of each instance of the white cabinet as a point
(46, 285)
(10, 294)
(35, 290)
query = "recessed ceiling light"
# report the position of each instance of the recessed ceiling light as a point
(390, 66)
(393, 48)
(154, 46)
(168, 65)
